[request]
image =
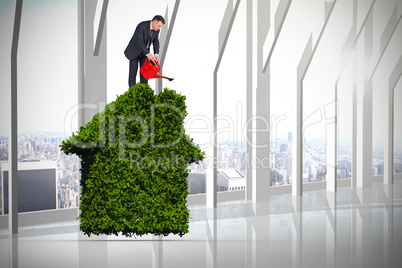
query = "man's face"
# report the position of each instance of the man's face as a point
(156, 26)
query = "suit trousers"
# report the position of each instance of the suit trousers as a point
(133, 70)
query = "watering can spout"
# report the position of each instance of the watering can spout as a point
(159, 76)
(150, 70)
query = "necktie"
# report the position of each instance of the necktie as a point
(149, 43)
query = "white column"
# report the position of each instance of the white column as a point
(364, 137)
(263, 139)
(332, 145)
(354, 103)
(262, 122)
(297, 154)
(389, 129)
(353, 182)
(364, 108)
(249, 98)
(13, 137)
(389, 138)
(164, 39)
(358, 77)
(264, 81)
(92, 61)
(349, 50)
(81, 58)
(162, 51)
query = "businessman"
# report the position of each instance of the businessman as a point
(138, 49)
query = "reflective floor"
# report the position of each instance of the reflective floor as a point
(352, 228)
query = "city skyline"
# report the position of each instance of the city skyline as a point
(43, 146)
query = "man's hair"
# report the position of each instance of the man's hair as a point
(159, 18)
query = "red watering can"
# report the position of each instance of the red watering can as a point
(150, 70)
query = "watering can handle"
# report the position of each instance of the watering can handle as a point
(155, 62)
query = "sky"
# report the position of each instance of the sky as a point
(47, 68)
(47, 63)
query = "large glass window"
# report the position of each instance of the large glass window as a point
(47, 90)
(232, 102)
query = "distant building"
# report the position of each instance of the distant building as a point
(380, 169)
(306, 177)
(283, 148)
(344, 173)
(36, 185)
(397, 168)
(230, 180)
(274, 177)
(196, 183)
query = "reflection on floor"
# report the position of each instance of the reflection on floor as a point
(352, 228)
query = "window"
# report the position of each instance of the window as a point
(47, 82)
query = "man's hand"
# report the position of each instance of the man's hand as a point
(150, 56)
(156, 58)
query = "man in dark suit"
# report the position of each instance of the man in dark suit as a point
(137, 50)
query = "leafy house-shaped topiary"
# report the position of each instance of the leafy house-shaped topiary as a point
(134, 165)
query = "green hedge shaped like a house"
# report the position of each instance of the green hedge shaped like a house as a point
(134, 165)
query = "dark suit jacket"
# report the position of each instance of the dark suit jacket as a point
(139, 42)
